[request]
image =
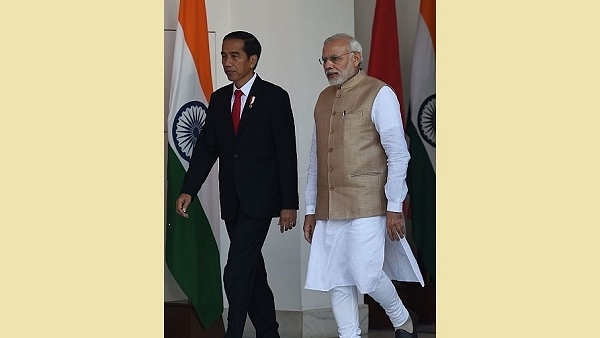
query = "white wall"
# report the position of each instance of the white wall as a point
(291, 33)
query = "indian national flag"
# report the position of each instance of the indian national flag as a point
(191, 251)
(421, 130)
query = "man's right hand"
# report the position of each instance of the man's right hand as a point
(182, 203)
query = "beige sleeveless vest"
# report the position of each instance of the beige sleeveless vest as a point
(351, 163)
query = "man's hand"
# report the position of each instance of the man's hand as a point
(182, 203)
(287, 219)
(394, 222)
(309, 227)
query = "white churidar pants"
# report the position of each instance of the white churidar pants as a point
(344, 302)
(351, 256)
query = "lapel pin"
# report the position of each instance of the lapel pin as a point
(251, 101)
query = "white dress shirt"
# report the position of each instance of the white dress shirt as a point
(246, 90)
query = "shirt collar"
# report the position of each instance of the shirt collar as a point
(246, 88)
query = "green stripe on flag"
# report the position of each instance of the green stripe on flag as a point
(191, 251)
(421, 188)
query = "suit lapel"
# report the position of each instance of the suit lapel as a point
(227, 105)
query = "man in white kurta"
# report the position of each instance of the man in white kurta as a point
(354, 193)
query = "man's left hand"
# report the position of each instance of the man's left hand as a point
(394, 222)
(287, 219)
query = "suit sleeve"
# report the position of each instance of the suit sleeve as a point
(204, 155)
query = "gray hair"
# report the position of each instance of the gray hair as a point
(355, 46)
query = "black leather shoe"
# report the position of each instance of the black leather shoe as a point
(403, 333)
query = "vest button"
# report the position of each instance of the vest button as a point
(330, 169)
(338, 95)
(331, 187)
(330, 150)
(331, 131)
(334, 112)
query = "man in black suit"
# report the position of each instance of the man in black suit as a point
(258, 178)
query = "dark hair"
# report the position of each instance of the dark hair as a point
(251, 44)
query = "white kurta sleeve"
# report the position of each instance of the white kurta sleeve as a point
(310, 193)
(388, 122)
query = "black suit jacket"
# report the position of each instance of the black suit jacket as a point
(258, 167)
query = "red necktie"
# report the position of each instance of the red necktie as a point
(236, 111)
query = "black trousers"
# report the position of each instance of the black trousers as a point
(245, 278)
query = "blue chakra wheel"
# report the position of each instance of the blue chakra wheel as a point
(187, 125)
(426, 120)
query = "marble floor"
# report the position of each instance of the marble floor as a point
(425, 331)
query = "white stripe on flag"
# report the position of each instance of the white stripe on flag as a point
(423, 78)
